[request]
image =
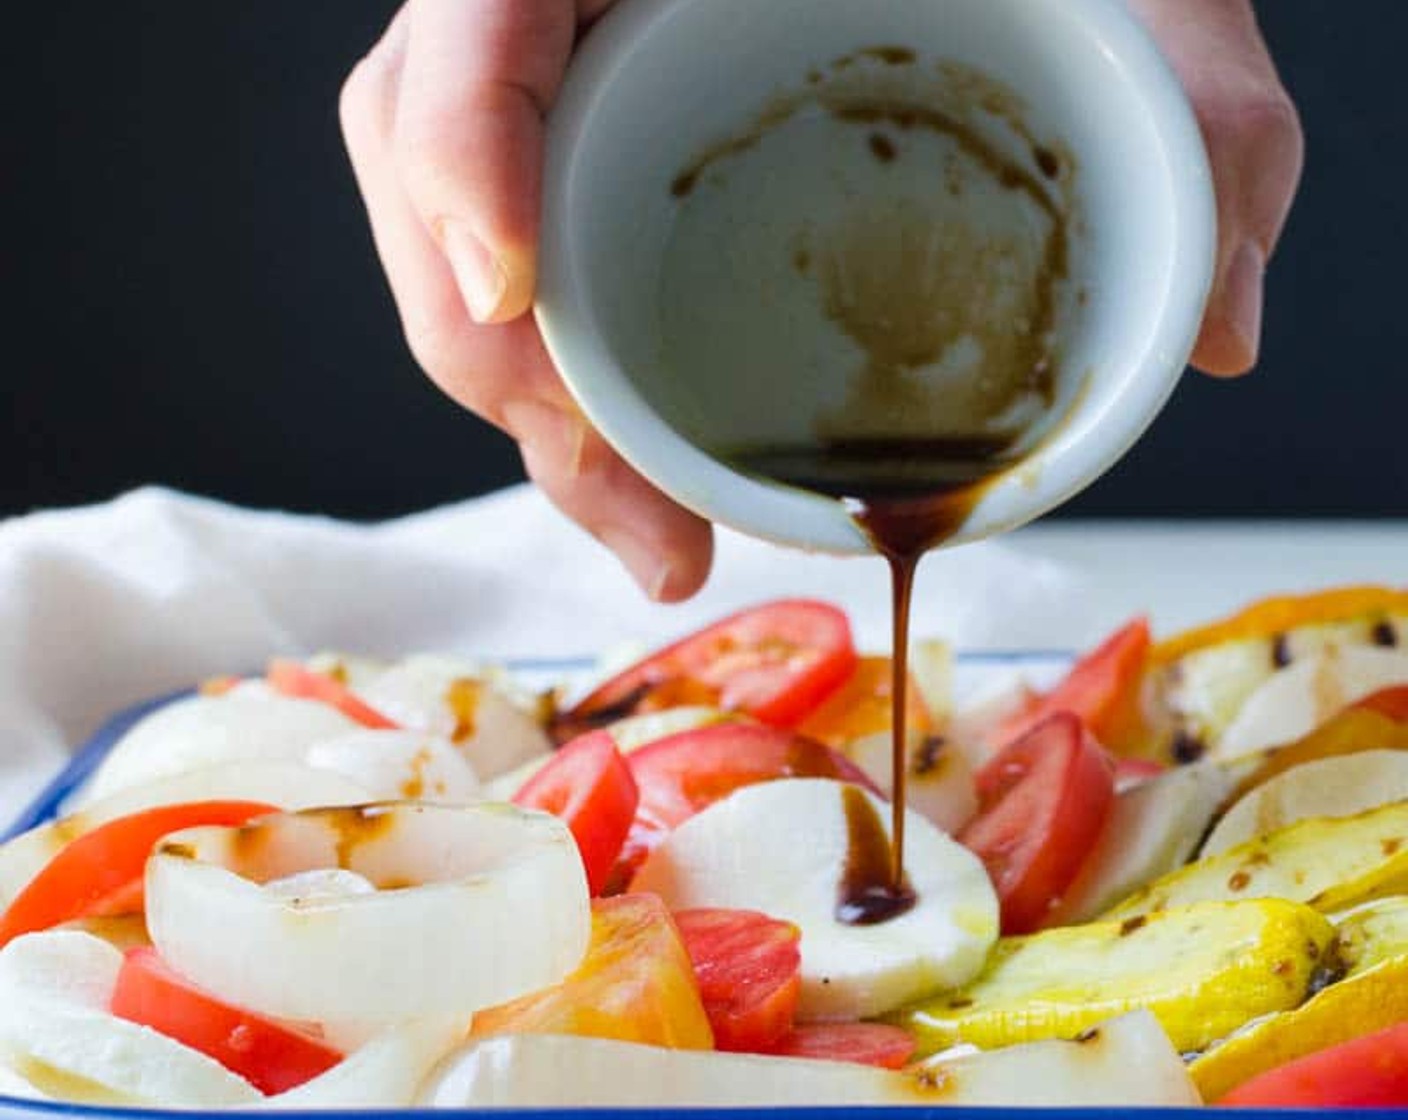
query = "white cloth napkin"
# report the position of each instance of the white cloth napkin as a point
(103, 606)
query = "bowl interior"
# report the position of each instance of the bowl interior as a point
(660, 81)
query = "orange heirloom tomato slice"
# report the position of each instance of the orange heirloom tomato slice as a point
(100, 873)
(301, 683)
(271, 1056)
(861, 706)
(636, 984)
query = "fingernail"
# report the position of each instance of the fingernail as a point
(479, 274)
(649, 570)
(1242, 295)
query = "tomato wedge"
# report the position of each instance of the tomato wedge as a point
(749, 970)
(100, 873)
(301, 683)
(271, 1056)
(1368, 1072)
(1102, 688)
(1390, 702)
(1043, 801)
(870, 1044)
(589, 785)
(681, 774)
(775, 662)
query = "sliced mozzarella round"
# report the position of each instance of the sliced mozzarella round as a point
(782, 847)
(1326, 787)
(461, 703)
(398, 765)
(55, 989)
(1297, 699)
(475, 905)
(1124, 1063)
(385, 1072)
(938, 776)
(210, 730)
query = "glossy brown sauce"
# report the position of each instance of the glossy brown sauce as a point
(904, 512)
(869, 893)
(909, 293)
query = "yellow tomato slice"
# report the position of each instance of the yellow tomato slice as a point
(636, 984)
(862, 706)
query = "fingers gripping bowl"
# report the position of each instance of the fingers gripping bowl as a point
(171, 945)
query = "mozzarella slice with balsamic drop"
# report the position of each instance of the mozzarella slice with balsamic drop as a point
(783, 848)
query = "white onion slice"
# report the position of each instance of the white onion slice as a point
(288, 785)
(461, 703)
(208, 730)
(1295, 700)
(475, 905)
(398, 766)
(385, 1072)
(1127, 1062)
(55, 989)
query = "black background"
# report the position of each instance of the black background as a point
(195, 300)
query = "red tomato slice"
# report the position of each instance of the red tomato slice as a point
(1391, 702)
(749, 970)
(300, 682)
(1043, 802)
(1368, 1072)
(589, 785)
(269, 1055)
(100, 873)
(870, 1044)
(775, 662)
(1101, 688)
(681, 774)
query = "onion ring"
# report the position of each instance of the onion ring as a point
(475, 905)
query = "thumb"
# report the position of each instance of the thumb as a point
(477, 79)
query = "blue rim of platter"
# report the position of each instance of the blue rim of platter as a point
(89, 757)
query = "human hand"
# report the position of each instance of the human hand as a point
(444, 123)
(1256, 149)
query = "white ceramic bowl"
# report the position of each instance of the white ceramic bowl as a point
(658, 81)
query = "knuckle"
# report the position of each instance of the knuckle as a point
(1258, 116)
